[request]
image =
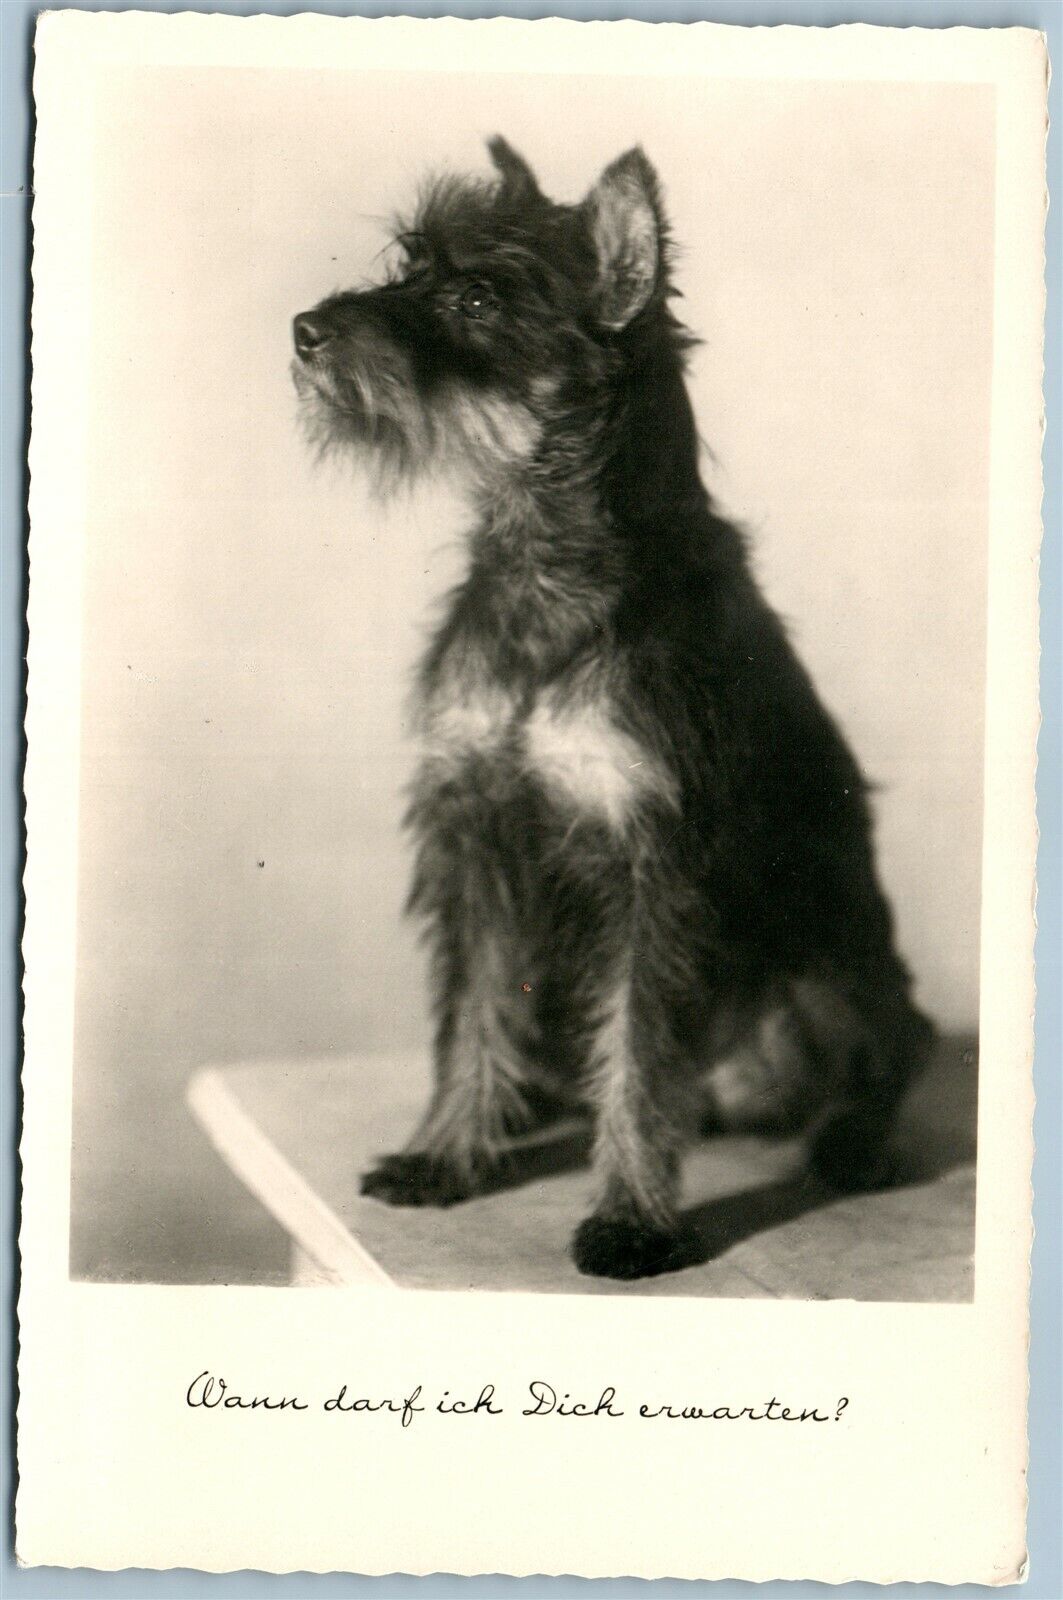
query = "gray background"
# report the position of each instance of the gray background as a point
(1046, 1578)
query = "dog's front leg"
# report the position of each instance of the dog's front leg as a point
(468, 892)
(640, 1087)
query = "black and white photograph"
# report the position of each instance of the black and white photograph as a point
(524, 535)
(531, 642)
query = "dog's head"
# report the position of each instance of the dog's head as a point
(501, 312)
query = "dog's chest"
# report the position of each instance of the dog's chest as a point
(567, 740)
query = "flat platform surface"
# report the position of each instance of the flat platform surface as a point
(299, 1134)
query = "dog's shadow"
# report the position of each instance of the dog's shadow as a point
(935, 1135)
(711, 1229)
(547, 1153)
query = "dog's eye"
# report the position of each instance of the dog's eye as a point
(477, 301)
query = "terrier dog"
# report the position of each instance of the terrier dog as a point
(643, 850)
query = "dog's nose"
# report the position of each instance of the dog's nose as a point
(309, 336)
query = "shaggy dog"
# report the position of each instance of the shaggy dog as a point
(643, 850)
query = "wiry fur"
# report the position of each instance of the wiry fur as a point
(643, 850)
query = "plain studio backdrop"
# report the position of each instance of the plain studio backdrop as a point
(252, 618)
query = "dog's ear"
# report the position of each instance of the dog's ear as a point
(517, 177)
(623, 214)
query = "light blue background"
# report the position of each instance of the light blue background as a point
(1046, 1579)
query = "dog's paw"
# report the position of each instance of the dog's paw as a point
(418, 1179)
(624, 1247)
(849, 1159)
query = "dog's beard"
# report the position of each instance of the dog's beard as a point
(400, 437)
(373, 419)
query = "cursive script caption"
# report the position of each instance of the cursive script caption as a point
(210, 1392)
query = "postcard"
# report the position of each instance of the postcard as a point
(530, 797)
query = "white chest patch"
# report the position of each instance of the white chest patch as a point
(460, 722)
(578, 752)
